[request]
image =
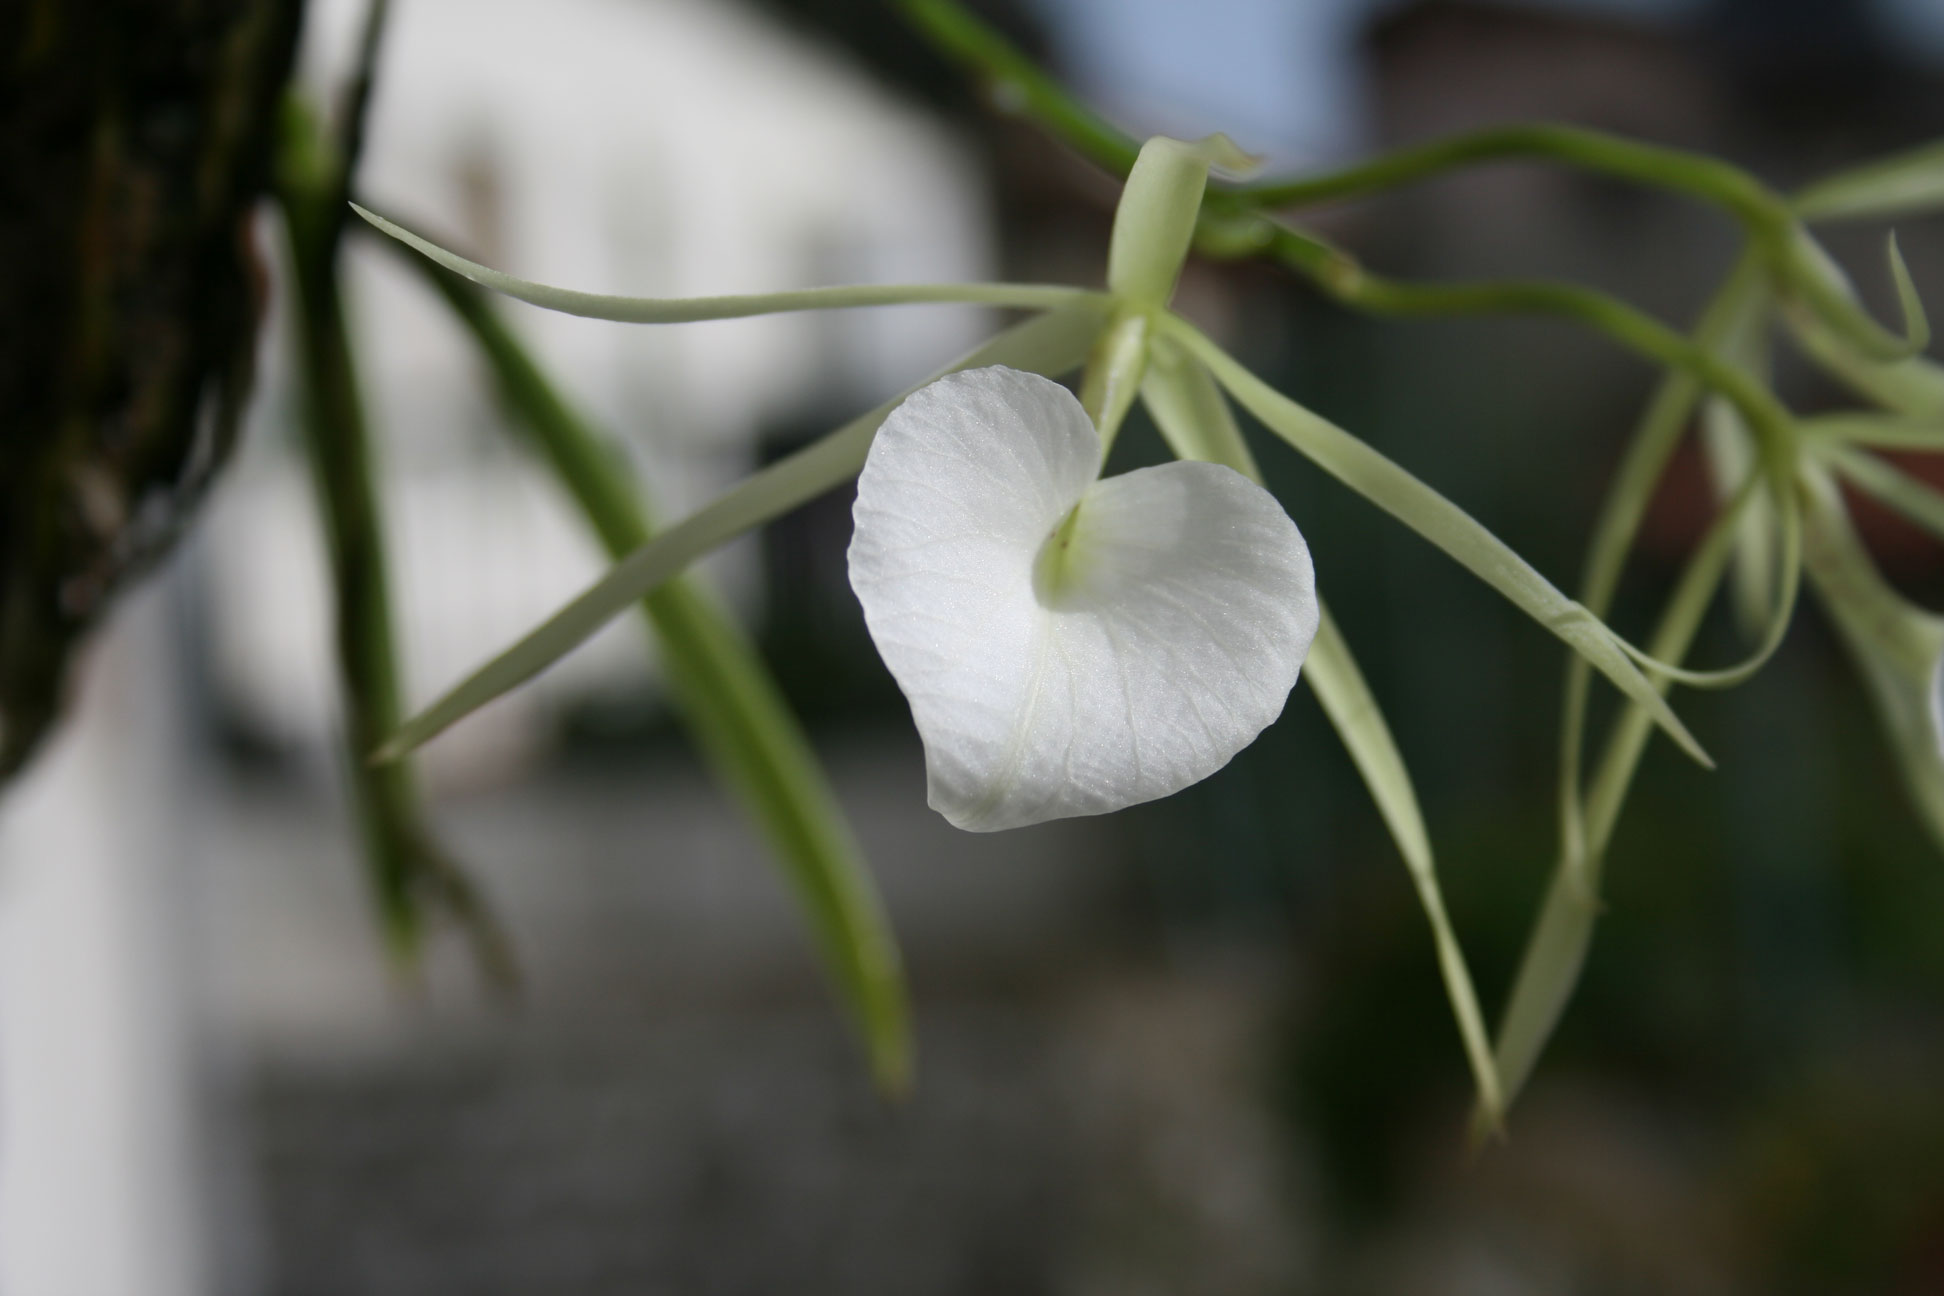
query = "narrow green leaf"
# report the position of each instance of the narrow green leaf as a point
(1052, 343)
(680, 310)
(1195, 419)
(728, 698)
(1906, 184)
(1438, 520)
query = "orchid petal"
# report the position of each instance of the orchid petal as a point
(1069, 646)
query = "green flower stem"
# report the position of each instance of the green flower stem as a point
(726, 695)
(1231, 212)
(407, 867)
(1339, 275)
(1756, 206)
(1027, 89)
(1016, 84)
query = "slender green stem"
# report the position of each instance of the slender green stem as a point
(1340, 276)
(353, 118)
(1758, 207)
(1231, 214)
(1017, 84)
(408, 869)
(980, 49)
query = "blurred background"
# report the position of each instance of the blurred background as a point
(1200, 1046)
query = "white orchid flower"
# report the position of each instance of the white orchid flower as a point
(1069, 645)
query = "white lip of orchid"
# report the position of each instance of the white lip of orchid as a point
(1069, 645)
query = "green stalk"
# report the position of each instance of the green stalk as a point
(1016, 84)
(726, 695)
(1232, 225)
(408, 870)
(1749, 201)
(1341, 277)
